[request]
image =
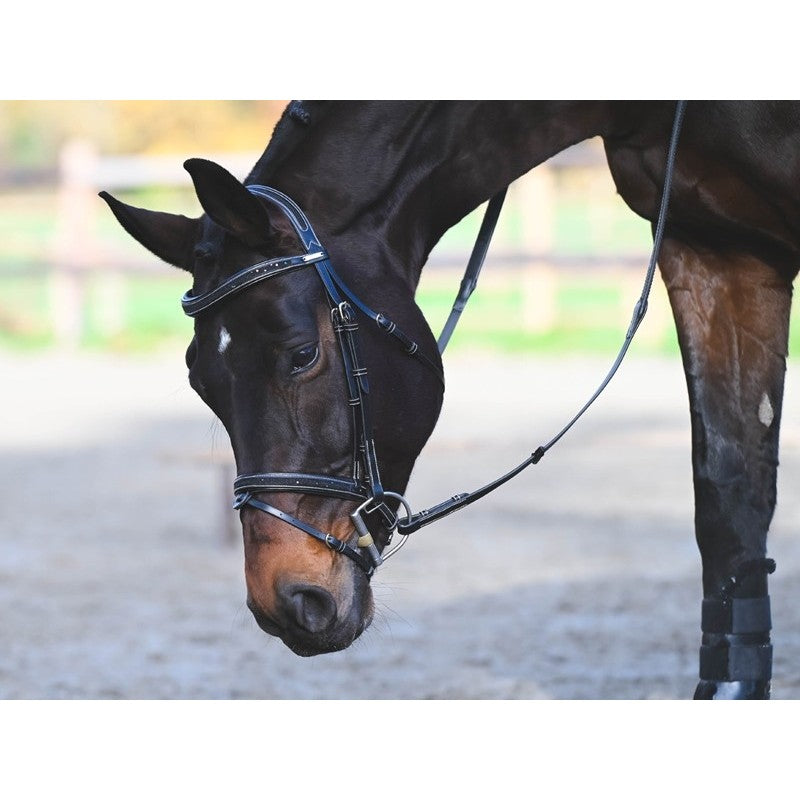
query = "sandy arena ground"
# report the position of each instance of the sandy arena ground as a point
(580, 579)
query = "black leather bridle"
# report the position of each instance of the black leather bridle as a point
(364, 486)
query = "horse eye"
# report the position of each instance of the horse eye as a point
(304, 357)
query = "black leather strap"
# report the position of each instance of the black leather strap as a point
(366, 458)
(473, 270)
(459, 501)
(335, 286)
(245, 499)
(325, 485)
(192, 306)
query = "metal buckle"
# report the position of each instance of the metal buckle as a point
(335, 544)
(240, 499)
(365, 540)
(345, 313)
(403, 536)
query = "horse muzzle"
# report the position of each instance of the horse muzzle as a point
(308, 619)
(299, 589)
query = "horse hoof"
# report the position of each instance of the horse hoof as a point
(733, 690)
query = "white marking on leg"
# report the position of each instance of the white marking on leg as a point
(224, 340)
(765, 412)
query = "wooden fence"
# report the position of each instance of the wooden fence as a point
(77, 253)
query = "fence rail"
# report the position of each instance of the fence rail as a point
(77, 255)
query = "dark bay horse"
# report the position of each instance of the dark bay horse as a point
(286, 353)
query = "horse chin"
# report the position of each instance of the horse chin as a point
(305, 644)
(338, 635)
(317, 647)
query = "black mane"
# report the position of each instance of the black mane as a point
(297, 120)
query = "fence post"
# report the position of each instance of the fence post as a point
(75, 253)
(535, 196)
(71, 243)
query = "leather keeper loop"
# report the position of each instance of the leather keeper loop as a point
(737, 663)
(736, 615)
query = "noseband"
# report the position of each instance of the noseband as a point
(364, 486)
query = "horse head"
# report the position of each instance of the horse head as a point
(325, 421)
(271, 363)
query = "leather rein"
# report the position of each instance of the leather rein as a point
(364, 486)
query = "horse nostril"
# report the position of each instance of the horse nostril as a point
(312, 607)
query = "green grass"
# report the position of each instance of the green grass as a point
(148, 314)
(591, 317)
(590, 314)
(590, 320)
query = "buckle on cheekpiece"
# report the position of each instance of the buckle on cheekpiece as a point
(240, 500)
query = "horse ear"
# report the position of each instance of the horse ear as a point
(171, 237)
(226, 200)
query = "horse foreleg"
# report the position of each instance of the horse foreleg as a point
(732, 315)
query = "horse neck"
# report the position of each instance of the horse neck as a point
(383, 181)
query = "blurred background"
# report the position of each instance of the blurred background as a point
(120, 560)
(69, 279)
(565, 266)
